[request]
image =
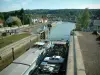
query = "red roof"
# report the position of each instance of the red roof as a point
(1, 21)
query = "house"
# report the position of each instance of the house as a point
(96, 24)
(93, 26)
(34, 20)
(12, 19)
(39, 20)
(1, 23)
(45, 20)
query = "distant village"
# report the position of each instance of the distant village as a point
(32, 17)
(12, 19)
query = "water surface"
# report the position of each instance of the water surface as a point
(61, 31)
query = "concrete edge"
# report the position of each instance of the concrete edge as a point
(70, 62)
(79, 58)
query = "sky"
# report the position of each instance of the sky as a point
(10, 5)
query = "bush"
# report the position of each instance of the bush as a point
(15, 22)
(72, 33)
(98, 38)
(95, 33)
(4, 34)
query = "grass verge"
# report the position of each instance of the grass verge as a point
(5, 62)
(13, 38)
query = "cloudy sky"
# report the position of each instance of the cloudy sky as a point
(9, 5)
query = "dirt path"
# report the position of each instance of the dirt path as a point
(90, 49)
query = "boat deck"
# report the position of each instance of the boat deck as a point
(54, 69)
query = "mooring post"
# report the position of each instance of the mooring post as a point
(13, 53)
(0, 58)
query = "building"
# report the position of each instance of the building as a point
(34, 20)
(39, 20)
(12, 19)
(1, 23)
(45, 20)
(96, 25)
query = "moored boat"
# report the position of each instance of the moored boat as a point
(53, 61)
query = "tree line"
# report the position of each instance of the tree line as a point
(65, 14)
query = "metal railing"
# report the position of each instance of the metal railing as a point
(74, 54)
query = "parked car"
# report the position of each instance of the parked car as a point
(54, 59)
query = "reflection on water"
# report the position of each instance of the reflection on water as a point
(61, 31)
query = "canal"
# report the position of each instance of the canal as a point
(61, 31)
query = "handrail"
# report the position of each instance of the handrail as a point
(74, 53)
(21, 63)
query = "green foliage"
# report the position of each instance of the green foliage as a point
(8, 40)
(83, 20)
(16, 21)
(1, 16)
(64, 14)
(21, 15)
(26, 19)
(21, 12)
(78, 22)
(78, 26)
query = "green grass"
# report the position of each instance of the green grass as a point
(10, 39)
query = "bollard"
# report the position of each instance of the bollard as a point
(13, 53)
(0, 58)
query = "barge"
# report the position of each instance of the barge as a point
(27, 61)
(55, 61)
(43, 58)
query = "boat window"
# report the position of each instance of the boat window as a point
(51, 58)
(56, 59)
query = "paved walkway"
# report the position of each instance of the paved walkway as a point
(90, 49)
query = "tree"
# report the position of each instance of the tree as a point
(2, 19)
(16, 13)
(27, 19)
(21, 14)
(79, 22)
(1, 16)
(98, 13)
(85, 20)
(16, 22)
